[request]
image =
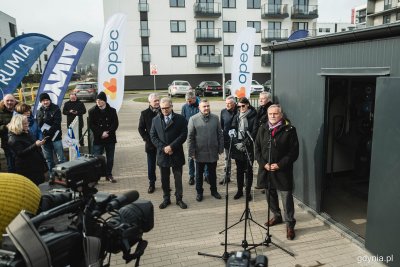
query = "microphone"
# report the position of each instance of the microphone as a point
(249, 135)
(232, 133)
(122, 200)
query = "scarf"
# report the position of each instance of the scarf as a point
(243, 124)
(275, 127)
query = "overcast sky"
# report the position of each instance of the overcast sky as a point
(57, 18)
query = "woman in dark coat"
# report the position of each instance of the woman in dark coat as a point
(29, 160)
(244, 123)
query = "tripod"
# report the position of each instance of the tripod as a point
(246, 215)
(267, 241)
(225, 255)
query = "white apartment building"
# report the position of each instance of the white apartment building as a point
(376, 12)
(324, 28)
(40, 63)
(8, 28)
(185, 39)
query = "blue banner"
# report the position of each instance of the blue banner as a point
(60, 67)
(17, 57)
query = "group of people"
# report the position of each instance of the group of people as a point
(30, 143)
(244, 133)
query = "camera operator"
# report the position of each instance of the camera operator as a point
(278, 139)
(244, 123)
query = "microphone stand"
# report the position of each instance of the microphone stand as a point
(267, 241)
(225, 255)
(246, 216)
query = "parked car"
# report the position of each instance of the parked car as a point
(179, 88)
(228, 87)
(256, 87)
(209, 88)
(86, 91)
(267, 86)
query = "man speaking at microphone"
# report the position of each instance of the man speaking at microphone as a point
(277, 148)
(244, 123)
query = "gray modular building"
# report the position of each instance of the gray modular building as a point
(342, 92)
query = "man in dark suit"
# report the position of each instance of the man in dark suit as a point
(168, 133)
(145, 121)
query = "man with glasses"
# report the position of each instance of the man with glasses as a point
(205, 143)
(168, 133)
(145, 121)
(226, 117)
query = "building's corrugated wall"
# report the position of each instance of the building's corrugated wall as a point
(301, 91)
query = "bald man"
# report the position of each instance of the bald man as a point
(7, 106)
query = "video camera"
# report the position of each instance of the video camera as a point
(82, 227)
(243, 259)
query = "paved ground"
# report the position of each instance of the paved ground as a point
(178, 235)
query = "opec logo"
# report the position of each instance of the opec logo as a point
(244, 74)
(113, 64)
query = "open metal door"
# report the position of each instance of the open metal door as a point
(383, 234)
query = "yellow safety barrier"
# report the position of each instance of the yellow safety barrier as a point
(33, 92)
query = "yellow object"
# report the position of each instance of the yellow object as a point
(16, 193)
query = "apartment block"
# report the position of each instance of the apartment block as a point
(193, 40)
(8, 28)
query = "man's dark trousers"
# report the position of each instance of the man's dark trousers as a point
(212, 176)
(165, 181)
(151, 167)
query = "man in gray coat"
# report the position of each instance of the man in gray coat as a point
(205, 143)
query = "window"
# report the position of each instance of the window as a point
(177, 3)
(145, 54)
(1, 44)
(205, 50)
(228, 3)
(325, 29)
(253, 4)
(229, 26)
(228, 50)
(397, 16)
(386, 19)
(144, 29)
(299, 26)
(255, 24)
(178, 51)
(46, 57)
(13, 30)
(178, 26)
(257, 50)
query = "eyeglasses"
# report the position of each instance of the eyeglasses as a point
(242, 106)
(165, 108)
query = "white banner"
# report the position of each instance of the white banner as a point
(111, 72)
(242, 63)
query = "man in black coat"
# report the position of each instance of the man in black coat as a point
(277, 148)
(226, 117)
(103, 121)
(145, 121)
(72, 108)
(49, 121)
(168, 133)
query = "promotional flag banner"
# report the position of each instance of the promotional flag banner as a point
(17, 57)
(111, 71)
(242, 63)
(60, 67)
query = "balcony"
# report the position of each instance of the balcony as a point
(208, 60)
(311, 32)
(304, 12)
(268, 36)
(146, 58)
(208, 10)
(274, 11)
(143, 7)
(207, 35)
(266, 60)
(144, 32)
